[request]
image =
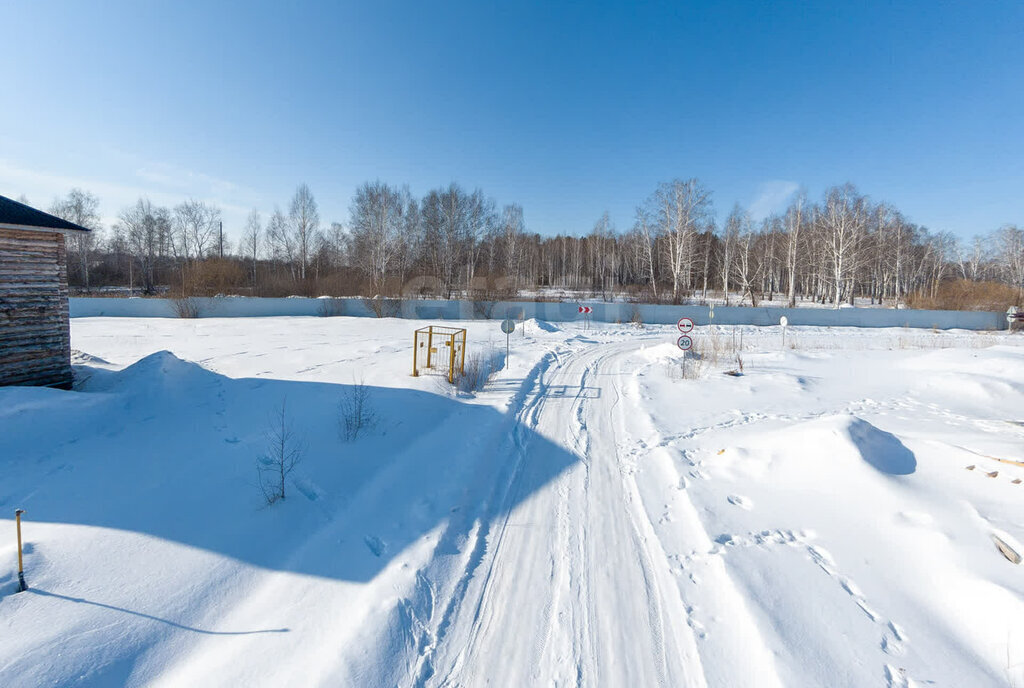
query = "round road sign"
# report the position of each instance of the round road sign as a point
(508, 326)
(684, 343)
(783, 321)
(685, 325)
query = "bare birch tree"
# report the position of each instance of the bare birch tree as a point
(196, 225)
(794, 221)
(842, 221)
(305, 221)
(376, 222)
(252, 240)
(82, 208)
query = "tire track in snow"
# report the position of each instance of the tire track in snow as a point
(561, 575)
(600, 596)
(527, 400)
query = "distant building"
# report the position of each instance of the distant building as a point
(35, 337)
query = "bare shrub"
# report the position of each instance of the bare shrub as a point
(478, 371)
(635, 318)
(355, 411)
(185, 308)
(738, 351)
(384, 308)
(330, 308)
(480, 367)
(284, 451)
(482, 310)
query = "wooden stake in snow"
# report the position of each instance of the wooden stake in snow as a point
(22, 587)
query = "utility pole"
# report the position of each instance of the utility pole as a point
(221, 238)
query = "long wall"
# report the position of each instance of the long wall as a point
(233, 307)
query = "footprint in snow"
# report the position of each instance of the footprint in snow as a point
(742, 502)
(375, 545)
(892, 641)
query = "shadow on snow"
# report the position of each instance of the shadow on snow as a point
(168, 448)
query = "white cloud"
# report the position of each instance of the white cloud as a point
(175, 177)
(162, 184)
(771, 197)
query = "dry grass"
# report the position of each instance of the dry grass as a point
(213, 276)
(964, 295)
(689, 367)
(717, 347)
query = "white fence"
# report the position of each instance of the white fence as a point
(235, 307)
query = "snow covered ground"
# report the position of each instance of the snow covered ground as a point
(599, 515)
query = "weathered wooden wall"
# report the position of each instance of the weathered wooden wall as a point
(35, 341)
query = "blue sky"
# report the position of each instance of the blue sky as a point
(569, 109)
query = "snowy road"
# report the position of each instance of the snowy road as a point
(575, 588)
(581, 585)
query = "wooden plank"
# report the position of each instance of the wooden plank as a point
(58, 377)
(34, 330)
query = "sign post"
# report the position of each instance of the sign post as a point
(685, 343)
(586, 311)
(784, 321)
(1015, 318)
(508, 326)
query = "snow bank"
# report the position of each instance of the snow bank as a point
(540, 325)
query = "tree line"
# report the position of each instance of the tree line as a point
(453, 242)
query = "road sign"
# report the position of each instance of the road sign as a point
(784, 321)
(685, 325)
(508, 326)
(586, 310)
(1015, 318)
(684, 343)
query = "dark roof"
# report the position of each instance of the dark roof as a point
(14, 213)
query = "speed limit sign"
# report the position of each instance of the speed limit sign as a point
(684, 343)
(685, 325)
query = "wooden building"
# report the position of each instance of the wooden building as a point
(35, 337)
